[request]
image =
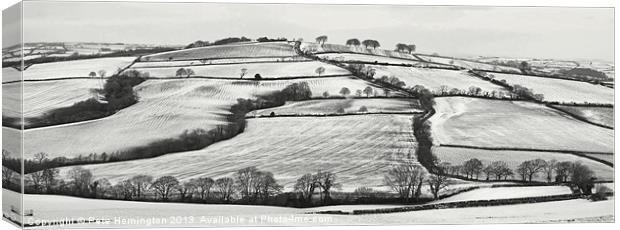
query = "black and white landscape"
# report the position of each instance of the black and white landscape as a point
(196, 114)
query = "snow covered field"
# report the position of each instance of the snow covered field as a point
(267, 49)
(433, 79)
(468, 64)
(507, 193)
(561, 90)
(266, 70)
(165, 109)
(457, 156)
(331, 106)
(144, 214)
(359, 149)
(367, 58)
(44, 96)
(190, 63)
(495, 123)
(69, 69)
(598, 115)
(316, 48)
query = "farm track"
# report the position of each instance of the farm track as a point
(576, 153)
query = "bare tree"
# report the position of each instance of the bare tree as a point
(472, 168)
(563, 171)
(225, 186)
(405, 178)
(436, 183)
(102, 73)
(549, 168)
(164, 185)
(204, 185)
(326, 181)
(80, 179)
(141, 184)
(246, 178)
(528, 169)
(306, 185)
(186, 189)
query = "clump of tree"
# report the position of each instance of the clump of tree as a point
(321, 39)
(361, 70)
(353, 42)
(297, 92)
(255, 185)
(392, 80)
(371, 43)
(184, 72)
(400, 47)
(266, 39)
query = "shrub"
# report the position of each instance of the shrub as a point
(601, 193)
(363, 109)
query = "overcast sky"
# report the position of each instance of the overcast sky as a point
(543, 32)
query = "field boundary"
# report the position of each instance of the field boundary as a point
(458, 204)
(333, 114)
(573, 152)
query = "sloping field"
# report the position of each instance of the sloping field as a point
(266, 70)
(44, 96)
(267, 49)
(77, 68)
(165, 109)
(358, 149)
(433, 79)
(190, 63)
(51, 207)
(561, 90)
(331, 106)
(468, 64)
(457, 156)
(507, 193)
(598, 115)
(494, 123)
(344, 57)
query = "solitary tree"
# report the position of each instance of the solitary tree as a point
(189, 72)
(436, 183)
(243, 72)
(400, 47)
(164, 185)
(582, 177)
(181, 72)
(92, 74)
(325, 94)
(320, 70)
(368, 91)
(345, 91)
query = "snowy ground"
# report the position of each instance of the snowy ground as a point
(69, 69)
(561, 90)
(433, 79)
(495, 123)
(331, 106)
(144, 214)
